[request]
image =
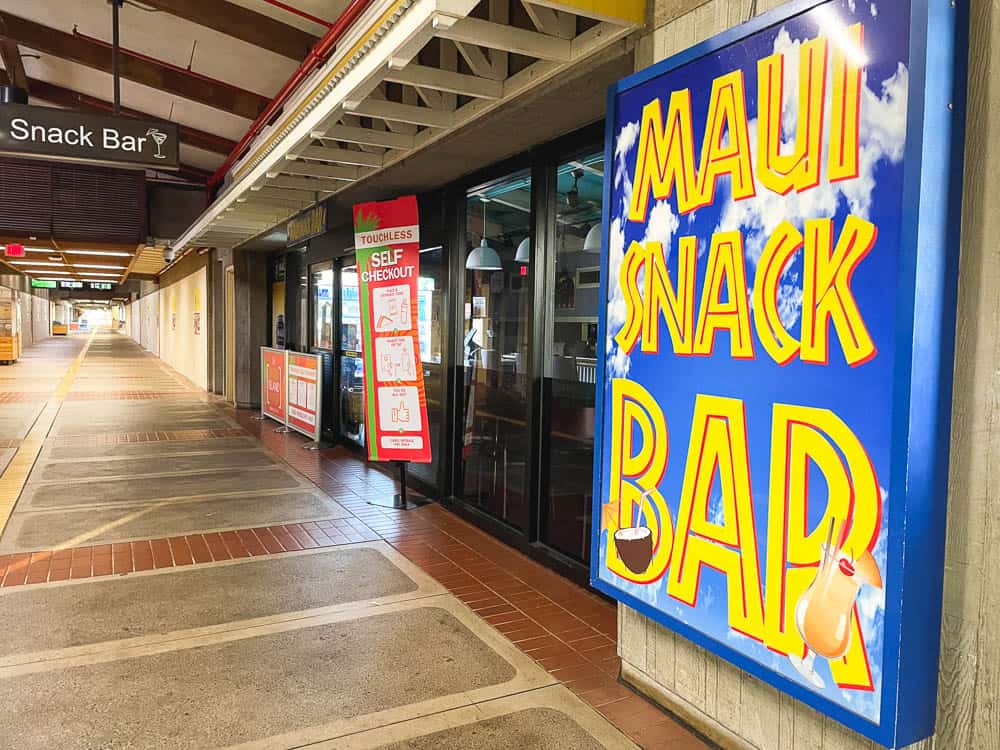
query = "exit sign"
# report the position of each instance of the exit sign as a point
(14, 251)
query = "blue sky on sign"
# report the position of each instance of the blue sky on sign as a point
(860, 396)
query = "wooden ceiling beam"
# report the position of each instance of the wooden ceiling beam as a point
(95, 55)
(12, 63)
(241, 23)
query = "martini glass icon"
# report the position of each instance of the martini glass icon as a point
(159, 138)
(824, 611)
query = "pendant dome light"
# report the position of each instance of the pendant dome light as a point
(523, 254)
(592, 242)
(484, 257)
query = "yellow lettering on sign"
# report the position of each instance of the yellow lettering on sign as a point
(726, 271)
(798, 170)
(665, 157)
(826, 290)
(719, 447)
(801, 437)
(637, 467)
(726, 147)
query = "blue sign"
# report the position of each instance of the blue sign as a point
(779, 271)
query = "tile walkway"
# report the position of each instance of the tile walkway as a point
(569, 631)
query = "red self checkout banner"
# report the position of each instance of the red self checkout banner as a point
(387, 242)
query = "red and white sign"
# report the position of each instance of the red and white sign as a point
(387, 242)
(272, 375)
(14, 251)
(304, 393)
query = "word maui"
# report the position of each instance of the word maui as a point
(666, 146)
(665, 166)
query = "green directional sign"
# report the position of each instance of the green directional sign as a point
(43, 284)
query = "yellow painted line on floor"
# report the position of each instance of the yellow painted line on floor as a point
(15, 476)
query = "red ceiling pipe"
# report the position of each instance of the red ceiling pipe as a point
(316, 57)
(165, 64)
(298, 12)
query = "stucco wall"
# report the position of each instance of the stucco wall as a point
(132, 316)
(149, 322)
(740, 711)
(183, 326)
(39, 318)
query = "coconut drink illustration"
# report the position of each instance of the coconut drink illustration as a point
(635, 547)
(635, 543)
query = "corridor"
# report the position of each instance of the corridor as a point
(175, 574)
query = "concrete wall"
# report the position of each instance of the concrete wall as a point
(739, 711)
(149, 322)
(183, 326)
(40, 328)
(132, 321)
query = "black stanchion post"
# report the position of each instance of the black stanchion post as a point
(401, 497)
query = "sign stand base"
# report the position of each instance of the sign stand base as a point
(398, 501)
(258, 418)
(315, 445)
(282, 429)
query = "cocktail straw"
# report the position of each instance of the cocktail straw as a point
(644, 498)
(827, 551)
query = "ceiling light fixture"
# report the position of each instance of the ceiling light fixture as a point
(592, 243)
(97, 265)
(111, 253)
(484, 257)
(34, 263)
(523, 254)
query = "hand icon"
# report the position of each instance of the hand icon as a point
(401, 415)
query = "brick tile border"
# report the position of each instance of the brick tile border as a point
(94, 561)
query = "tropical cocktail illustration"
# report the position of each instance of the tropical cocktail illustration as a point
(824, 611)
(159, 138)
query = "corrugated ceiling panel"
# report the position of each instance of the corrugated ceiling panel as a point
(99, 205)
(25, 198)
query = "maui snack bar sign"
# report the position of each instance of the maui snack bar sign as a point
(67, 135)
(780, 268)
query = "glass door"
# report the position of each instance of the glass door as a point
(498, 317)
(349, 361)
(569, 363)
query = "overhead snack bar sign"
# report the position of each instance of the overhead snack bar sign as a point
(387, 242)
(68, 135)
(779, 273)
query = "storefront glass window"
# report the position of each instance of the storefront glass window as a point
(352, 364)
(570, 363)
(322, 290)
(431, 322)
(496, 347)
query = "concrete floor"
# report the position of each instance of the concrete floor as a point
(350, 647)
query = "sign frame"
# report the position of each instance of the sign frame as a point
(88, 131)
(263, 385)
(314, 222)
(921, 380)
(316, 434)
